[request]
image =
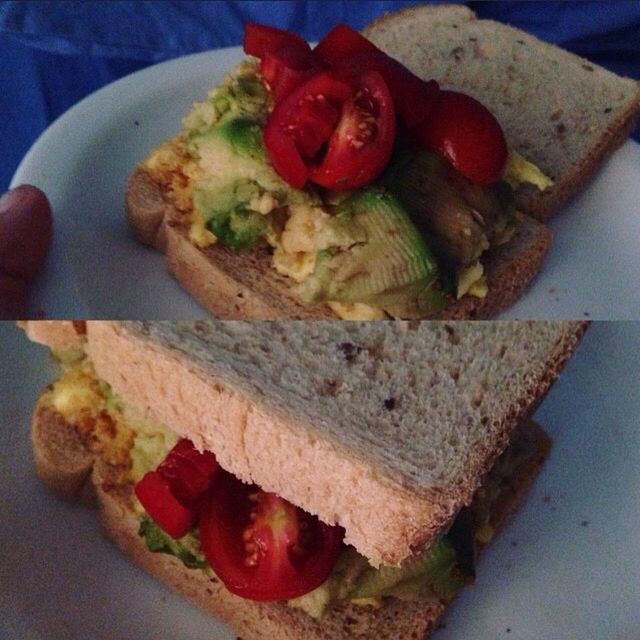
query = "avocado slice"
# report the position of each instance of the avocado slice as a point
(432, 573)
(387, 265)
(186, 548)
(461, 218)
(244, 135)
(227, 213)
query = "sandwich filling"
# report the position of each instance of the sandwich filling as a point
(325, 574)
(403, 245)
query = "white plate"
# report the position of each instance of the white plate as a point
(566, 567)
(97, 270)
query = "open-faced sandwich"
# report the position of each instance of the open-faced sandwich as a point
(404, 174)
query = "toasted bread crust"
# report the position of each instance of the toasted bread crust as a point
(245, 285)
(543, 204)
(253, 620)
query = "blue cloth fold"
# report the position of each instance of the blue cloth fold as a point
(54, 53)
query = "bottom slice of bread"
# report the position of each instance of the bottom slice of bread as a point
(56, 444)
(244, 285)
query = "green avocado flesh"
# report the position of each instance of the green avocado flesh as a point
(244, 135)
(226, 204)
(186, 548)
(434, 574)
(388, 264)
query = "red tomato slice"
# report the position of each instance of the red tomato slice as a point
(260, 39)
(362, 142)
(413, 98)
(301, 123)
(188, 472)
(167, 512)
(342, 42)
(263, 547)
(468, 135)
(283, 70)
(173, 493)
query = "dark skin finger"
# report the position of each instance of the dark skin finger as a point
(25, 237)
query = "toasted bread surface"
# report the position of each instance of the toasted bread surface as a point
(395, 619)
(345, 429)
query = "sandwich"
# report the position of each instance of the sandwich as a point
(345, 492)
(405, 173)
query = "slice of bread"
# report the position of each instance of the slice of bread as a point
(51, 436)
(244, 285)
(385, 428)
(560, 111)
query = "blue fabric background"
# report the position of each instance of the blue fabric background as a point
(53, 53)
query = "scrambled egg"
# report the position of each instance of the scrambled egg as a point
(472, 281)
(108, 427)
(519, 170)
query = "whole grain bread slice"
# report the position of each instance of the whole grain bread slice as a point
(243, 285)
(253, 620)
(560, 111)
(384, 428)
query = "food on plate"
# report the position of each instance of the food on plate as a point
(25, 237)
(404, 174)
(343, 492)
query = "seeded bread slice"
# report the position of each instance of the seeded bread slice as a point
(558, 110)
(395, 619)
(385, 428)
(236, 286)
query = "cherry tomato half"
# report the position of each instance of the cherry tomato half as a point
(413, 98)
(188, 472)
(263, 547)
(466, 133)
(350, 54)
(301, 123)
(260, 39)
(173, 493)
(165, 509)
(362, 142)
(283, 70)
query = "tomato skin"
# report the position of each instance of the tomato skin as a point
(287, 136)
(188, 472)
(285, 69)
(466, 133)
(341, 43)
(165, 509)
(172, 494)
(260, 39)
(263, 547)
(413, 97)
(361, 144)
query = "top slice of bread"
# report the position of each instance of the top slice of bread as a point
(384, 428)
(560, 111)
